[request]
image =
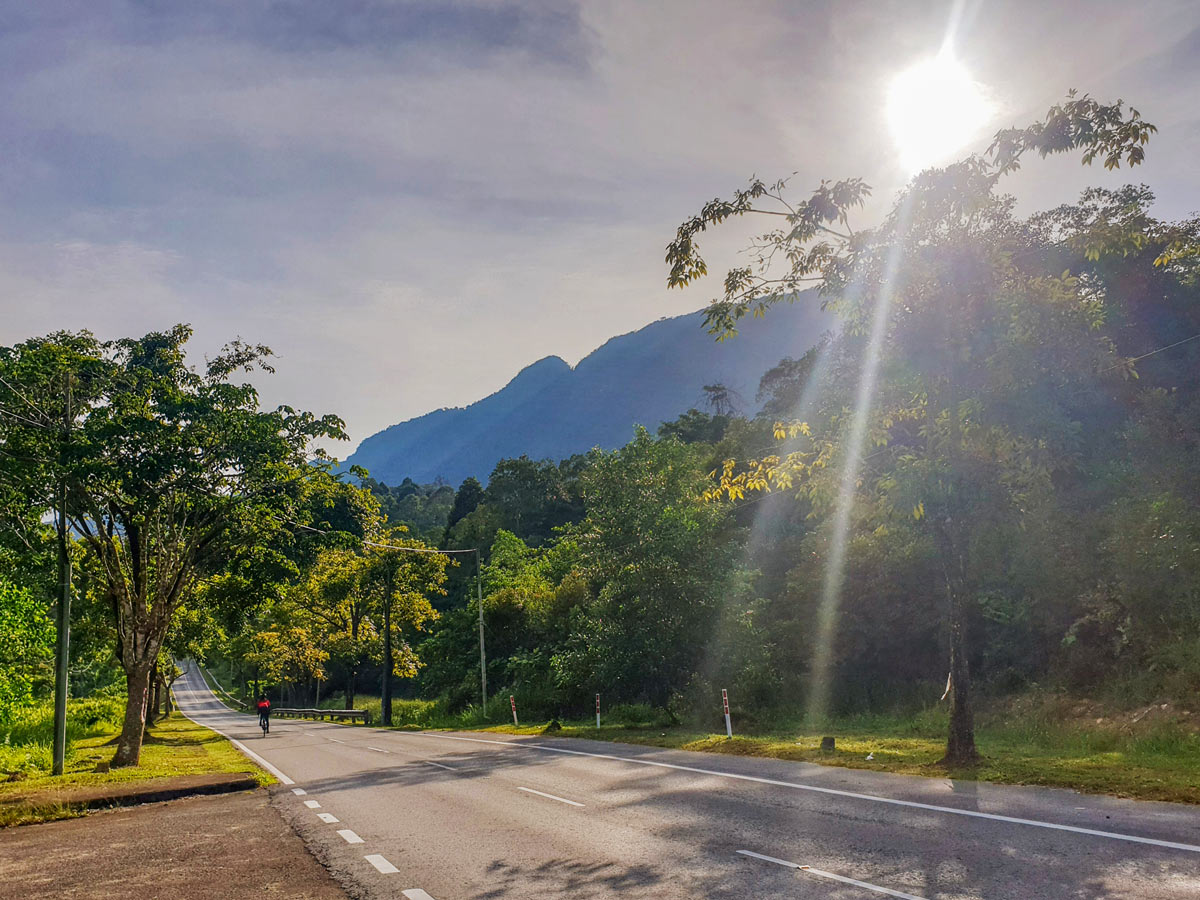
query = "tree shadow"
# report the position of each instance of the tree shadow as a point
(568, 878)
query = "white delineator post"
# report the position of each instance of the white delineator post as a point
(597, 710)
(725, 702)
(513, 702)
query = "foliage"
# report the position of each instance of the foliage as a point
(170, 475)
(970, 361)
(656, 558)
(26, 647)
(422, 508)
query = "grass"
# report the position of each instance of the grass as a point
(1036, 742)
(223, 695)
(1160, 763)
(175, 746)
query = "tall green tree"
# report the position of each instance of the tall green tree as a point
(974, 341)
(402, 573)
(657, 559)
(171, 474)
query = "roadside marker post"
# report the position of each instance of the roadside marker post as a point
(725, 703)
(597, 710)
(513, 702)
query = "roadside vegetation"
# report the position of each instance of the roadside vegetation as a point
(975, 495)
(174, 747)
(1160, 761)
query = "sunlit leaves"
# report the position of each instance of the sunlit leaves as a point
(1108, 132)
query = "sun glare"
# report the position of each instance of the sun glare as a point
(934, 109)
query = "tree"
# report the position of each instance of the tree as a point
(170, 475)
(656, 558)
(951, 304)
(402, 581)
(466, 499)
(336, 597)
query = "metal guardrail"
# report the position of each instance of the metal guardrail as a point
(351, 714)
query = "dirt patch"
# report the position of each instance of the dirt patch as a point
(200, 848)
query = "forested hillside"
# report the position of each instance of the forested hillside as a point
(550, 410)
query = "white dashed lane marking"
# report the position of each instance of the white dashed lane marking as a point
(349, 836)
(381, 865)
(327, 818)
(299, 792)
(312, 804)
(549, 796)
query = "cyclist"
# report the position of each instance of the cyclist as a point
(264, 713)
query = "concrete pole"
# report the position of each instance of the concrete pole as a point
(482, 652)
(63, 638)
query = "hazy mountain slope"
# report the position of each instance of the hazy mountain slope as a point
(550, 410)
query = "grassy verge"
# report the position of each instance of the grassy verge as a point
(176, 746)
(223, 695)
(1034, 742)
(1161, 764)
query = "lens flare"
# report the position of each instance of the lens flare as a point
(821, 673)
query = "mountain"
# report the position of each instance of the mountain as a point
(551, 410)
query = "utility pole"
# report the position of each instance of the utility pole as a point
(482, 654)
(63, 638)
(385, 701)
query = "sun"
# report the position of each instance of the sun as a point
(934, 109)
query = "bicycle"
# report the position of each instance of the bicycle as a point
(264, 722)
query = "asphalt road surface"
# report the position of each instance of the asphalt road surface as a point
(452, 816)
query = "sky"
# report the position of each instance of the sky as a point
(411, 201)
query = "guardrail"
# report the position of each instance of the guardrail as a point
(351, 714)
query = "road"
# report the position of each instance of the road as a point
(467, 816)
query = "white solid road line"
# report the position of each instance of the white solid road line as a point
(381, 864)
(299, 792)
(350, 837)
(246, 750)
(842, 878)
(254, 756)
(312, 804)
(416, 894)
(327, 818)
(911, 804)
(549, 796)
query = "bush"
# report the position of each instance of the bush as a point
(638, 715)
(26, 744)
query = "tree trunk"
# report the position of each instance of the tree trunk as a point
(351, 677)
(960, 741)
(129, 745)
(386, 698)
(153, 698)
(167, 708)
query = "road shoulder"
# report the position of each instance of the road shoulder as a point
(201, 848)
